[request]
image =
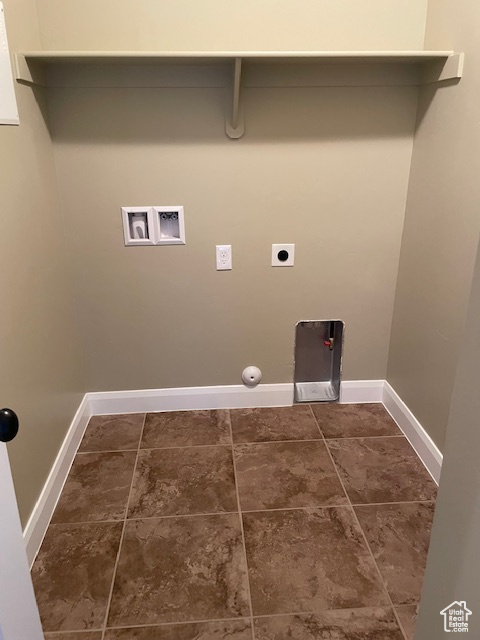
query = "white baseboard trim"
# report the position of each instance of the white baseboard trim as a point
(358, 391)
(219, 397)
(188, 398)
(42, 513)
(426, 449)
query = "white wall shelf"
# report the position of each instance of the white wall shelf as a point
(33, 67)
(153, 57)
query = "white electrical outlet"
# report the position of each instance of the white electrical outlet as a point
(224, 257)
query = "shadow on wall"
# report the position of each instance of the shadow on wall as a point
(427, 95)
(453, 561)
(109, 115)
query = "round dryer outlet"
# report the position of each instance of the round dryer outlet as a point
(283, 255)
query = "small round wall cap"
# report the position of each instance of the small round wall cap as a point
(251, 376)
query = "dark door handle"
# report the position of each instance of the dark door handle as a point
(8, 425)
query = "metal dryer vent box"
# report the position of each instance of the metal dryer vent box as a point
(318, 360)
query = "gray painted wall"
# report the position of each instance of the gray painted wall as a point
(442, 224)
(453, 567)
(40, 373)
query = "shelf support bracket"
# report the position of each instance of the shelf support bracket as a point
(449, 69)
(235, 123)
(29, 72)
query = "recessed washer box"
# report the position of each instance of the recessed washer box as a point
(153, 225)
(138, 226)
(170, 225)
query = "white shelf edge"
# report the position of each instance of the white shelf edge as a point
(52, 56)
(30, 64)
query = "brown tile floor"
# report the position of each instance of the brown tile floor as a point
(309, 523)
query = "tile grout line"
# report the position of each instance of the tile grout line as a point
(303, 508)
(189, 446)
(153, 625)
(203, 446)
(365, 437)
(183, 446)
(235, 444)
(62, 634)
(324, 506)
(241, 444)
(315, 613)
(322, 437)
(227, 513)
(122, 535)
(239, 506)
(382, 581)
(186, 623)
(175, 515)
(384, 504)
(86, 453)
